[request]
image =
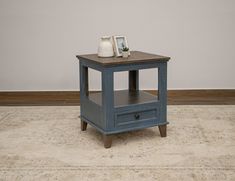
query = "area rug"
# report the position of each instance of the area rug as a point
(45, 143)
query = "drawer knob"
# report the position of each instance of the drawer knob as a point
(137, 116)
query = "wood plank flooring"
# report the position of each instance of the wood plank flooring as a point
(68, 98)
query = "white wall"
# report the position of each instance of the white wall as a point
(40, 38)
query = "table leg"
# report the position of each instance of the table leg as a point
(162, 130)
(83, 125)
(107, 141)
(84, 90)
(133, 80)
(107, 99)
(162, 91)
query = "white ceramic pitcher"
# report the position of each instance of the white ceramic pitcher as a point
(105, 48)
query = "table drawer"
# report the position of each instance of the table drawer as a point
(137, 117)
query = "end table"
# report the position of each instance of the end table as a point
(113, 112)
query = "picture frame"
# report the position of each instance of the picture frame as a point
(118, 43)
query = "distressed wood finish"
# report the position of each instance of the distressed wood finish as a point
(136, 57)
(112, 111)
(107, 99)
(162, 90)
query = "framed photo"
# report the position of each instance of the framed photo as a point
(119, 42)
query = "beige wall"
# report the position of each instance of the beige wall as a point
(40, 38)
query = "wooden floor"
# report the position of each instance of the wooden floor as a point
(201, 97)
(68, 98)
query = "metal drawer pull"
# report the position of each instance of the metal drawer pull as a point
(137, 116)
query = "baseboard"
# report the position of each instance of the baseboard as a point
(68, 98)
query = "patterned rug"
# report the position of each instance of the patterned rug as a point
(45, 143)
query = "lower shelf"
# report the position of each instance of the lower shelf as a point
(125, 97)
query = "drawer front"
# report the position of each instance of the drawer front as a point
(135, 118)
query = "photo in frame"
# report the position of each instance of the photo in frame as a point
(119, 42)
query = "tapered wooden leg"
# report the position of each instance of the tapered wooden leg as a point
(107, 141)
(162, 130)
(83, 125)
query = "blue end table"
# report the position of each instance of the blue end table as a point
(113, 112)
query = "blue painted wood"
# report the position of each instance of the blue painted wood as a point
(83, 85)
(121, 130)
(107, 98)
(137, 107)
(162, 91)
(109, 119)
(135, 117)
(93, 111)
(136, 66)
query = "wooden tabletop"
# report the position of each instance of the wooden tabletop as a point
(135, 57)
